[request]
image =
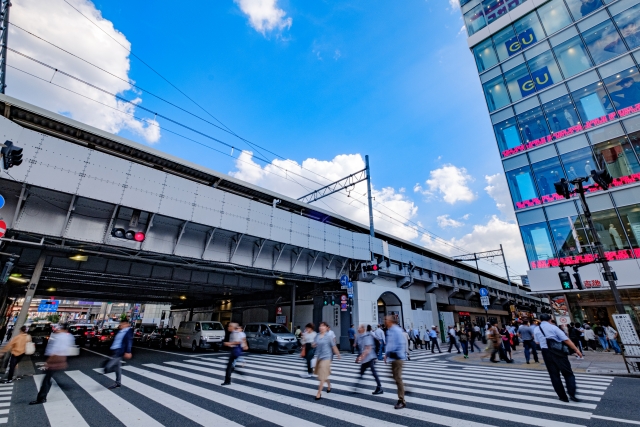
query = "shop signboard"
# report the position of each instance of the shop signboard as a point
(559, 305)
(281, 320)
(628, 334)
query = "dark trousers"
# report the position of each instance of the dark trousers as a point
(230, 364)
(557, 365)
(370, 365)
(114, 365)
(473, 344)
(351, 343)
(13, 361)
(530, 348)
(499, 350)
(427, 343)
(46, 384)
(452, 342)
(309, 352)
(465, 347)
(434, 345)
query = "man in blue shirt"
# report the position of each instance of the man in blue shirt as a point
(367, 356)
(396, 353)
(121, 348)
(548, 335)
(352, 338)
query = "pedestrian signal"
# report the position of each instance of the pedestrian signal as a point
(565, 280)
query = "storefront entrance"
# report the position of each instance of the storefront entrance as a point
(389, 305)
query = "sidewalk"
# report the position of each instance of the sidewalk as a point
(593, 362)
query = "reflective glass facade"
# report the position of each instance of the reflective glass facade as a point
(562, 86)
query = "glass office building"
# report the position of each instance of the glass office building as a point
(562, 87)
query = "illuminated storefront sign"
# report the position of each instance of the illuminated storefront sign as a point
(592, 284)
(585, 258)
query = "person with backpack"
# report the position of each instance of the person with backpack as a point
(17, 348)
(453, 335)
(602, 336)
(367, 356)
(237, 342)
(379, 336)
(433, 336)
(574, 334)
(308, 338)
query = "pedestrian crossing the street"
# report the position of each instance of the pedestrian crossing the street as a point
(273, 389)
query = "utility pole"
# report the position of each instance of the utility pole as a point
(372, 232)
(4, 13)
(31, 290)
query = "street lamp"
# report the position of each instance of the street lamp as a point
(603, 179)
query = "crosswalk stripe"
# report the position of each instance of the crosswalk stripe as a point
(420, 401)
(59, 409)
(182, 407)
(539, 381)
(5, 397)
(128, 414)
(591, 381)
(410, 413)
(603, 378)
(223, 399)
(443, 394)
(347, 416)
(387, 377)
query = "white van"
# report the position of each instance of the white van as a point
(195, 335)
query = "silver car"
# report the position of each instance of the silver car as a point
(272, 337)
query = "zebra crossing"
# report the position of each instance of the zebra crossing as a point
(6, 391)
(269, 389)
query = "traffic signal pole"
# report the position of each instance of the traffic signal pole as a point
(598, 244)
(4, 11)
(372, 232)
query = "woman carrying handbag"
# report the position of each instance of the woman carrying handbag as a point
(20, 345)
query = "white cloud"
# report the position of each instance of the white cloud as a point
(454, 4)
(337, 54)
(264, 15)
(58, 23)
(499, 191)
(450, 182)
(444, 221)
(282, 175)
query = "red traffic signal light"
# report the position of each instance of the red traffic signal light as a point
(121, 233)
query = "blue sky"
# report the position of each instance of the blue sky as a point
(307, 80)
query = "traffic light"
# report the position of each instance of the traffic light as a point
(565, 280)
(121, 233)
(369, 268)
(602, 177)
(11, 155)
(562, 188)
(325, 300)
(576, 277)
(333, 300)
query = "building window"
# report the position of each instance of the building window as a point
(609, 229)
(562, 115)
(554, 16)
(603, 42)
(507, 135)
(504, 43)
(578, 163)
(523, 191)
(631, 220)
(519, 82)
(572, 57)
(624, 90)
(617, 157)
(537, 244)
(546, 173)
(581, 8)
(544, 70)
(629, 24)
(496, 94)
(569, 235)
(474, 20)
(533, 126)
(592, 102)
(485, 55)
(494, 9)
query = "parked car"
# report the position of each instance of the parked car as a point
(272, 337)
(103, 338)
(141, 333)
(40, 333)
(162, 338)
(197, 335)
(81, 332)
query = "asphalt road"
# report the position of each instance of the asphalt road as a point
(179, 388)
